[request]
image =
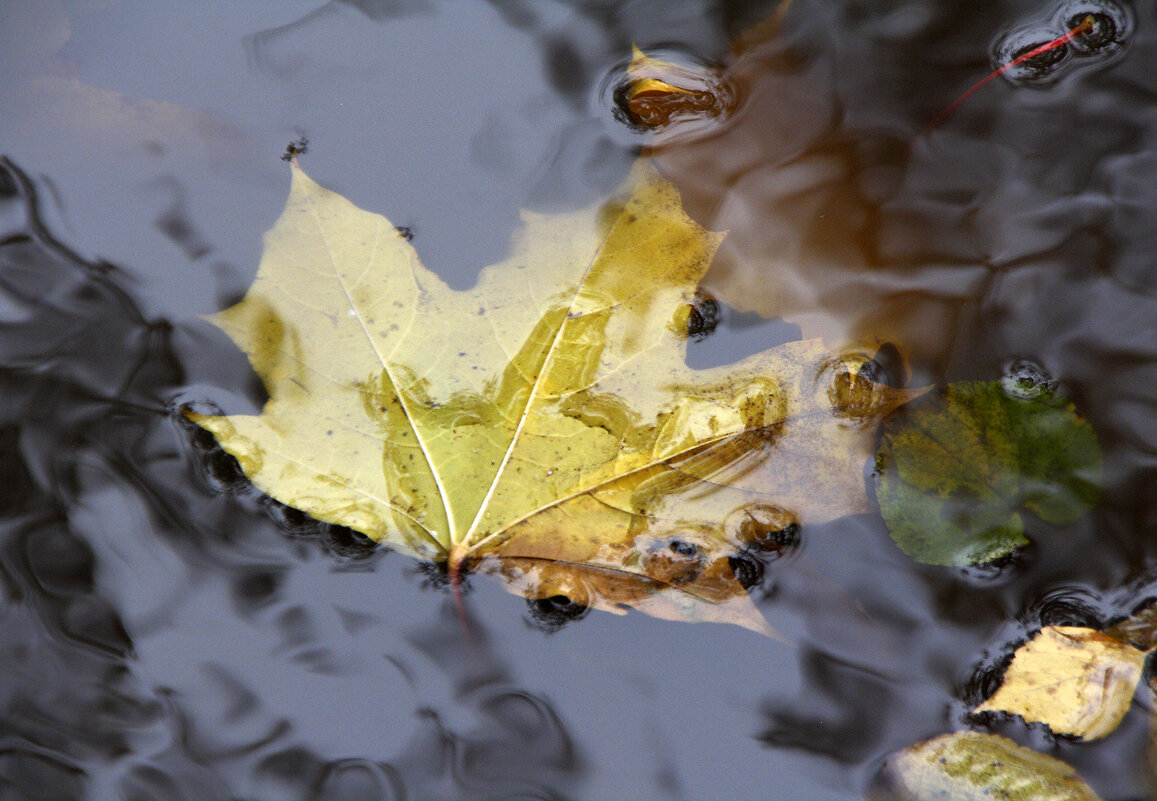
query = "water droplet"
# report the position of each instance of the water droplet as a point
(748, 570)
(703, 317)
(762, 529)
(1026, 379)
(1040, 69)
(1112, 25)
(1068, 606)
(551, 614)
(667, 91)
(853, 393)
(349, 544)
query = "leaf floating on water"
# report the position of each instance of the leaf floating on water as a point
(542, 426)
(970, 766)
(1139, 629)
(656, 93)
(1076, 681)
(953, 479)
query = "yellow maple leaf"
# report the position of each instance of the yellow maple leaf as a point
(1075, 680)
(543, 425)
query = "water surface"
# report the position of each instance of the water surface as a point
(167, 633)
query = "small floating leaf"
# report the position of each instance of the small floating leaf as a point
(970, 766)
(657, 92)
(953, 479)
(1076, 681)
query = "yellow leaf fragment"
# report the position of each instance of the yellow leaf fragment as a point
(657, 92)
(1076, 681)
(971, 766)
(646, 75)
(543, 425)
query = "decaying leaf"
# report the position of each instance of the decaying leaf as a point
(1075, 680)
(543, 425)
(954, 477)
(1139, 629)
(970, 766)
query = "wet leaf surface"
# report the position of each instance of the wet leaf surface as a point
(170, 633)
(953, 478)
(970, 766)
(542, 426)
(1076, 681)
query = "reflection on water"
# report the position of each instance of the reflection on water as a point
(165, 636)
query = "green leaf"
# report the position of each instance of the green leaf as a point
(953, 478)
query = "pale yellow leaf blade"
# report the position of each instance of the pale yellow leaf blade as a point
(543, 424)
(1076, 681)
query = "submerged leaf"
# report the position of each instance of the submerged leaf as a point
(970, 766)
(1076, 681)
(954, 478)
(543, 425)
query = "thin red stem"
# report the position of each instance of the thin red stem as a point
(454, 570)
(1084, 27)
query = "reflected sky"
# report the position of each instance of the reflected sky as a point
(164, 637)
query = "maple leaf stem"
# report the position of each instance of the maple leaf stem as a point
(1085, 26)
(454, 562)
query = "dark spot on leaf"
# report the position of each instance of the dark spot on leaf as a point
(682, 548)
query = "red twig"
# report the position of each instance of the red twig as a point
(454, 571)
(1084, 27)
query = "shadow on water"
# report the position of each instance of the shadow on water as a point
(167, 632)
(91, 441)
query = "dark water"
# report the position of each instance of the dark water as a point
(165, 633)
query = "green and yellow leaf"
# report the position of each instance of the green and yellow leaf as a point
(955, 477)
(971, 766)
(542, 426)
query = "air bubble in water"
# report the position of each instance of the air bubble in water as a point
(1040, 69)
(1112, 25)
(669, 93)
(1026, 379)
